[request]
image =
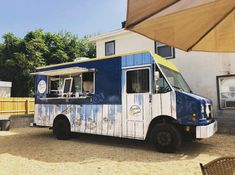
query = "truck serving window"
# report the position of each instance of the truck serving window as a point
(74, 86)
(67, 86)
(54, 84)
(88, 82)
(138, 81)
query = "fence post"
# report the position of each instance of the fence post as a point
(27, 106)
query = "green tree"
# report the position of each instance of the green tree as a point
(20, 56)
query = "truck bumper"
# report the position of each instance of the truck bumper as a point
(207, 130)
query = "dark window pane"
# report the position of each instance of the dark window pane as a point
(165, 51)
(77, 85)
(67, 85)
(88, 76)
(54, 85)
(110, 48)
(88, 82)
(162, 86)
(138, 81)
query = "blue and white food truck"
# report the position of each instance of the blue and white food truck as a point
(137, 95)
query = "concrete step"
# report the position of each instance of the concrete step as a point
(4, 122)
(226, 125)
(15, 121)
(21, 121)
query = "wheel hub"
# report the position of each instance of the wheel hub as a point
(164, 138)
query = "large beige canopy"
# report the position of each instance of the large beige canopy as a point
(201, 25)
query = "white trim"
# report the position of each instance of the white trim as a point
(140, 68)
(67, 98)
(5, 84)
(220, 95)
(70, 88)
(94, 82)
(64, 71)
(207, 130)
(110, 35)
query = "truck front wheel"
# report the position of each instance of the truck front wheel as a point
(61, 128)
(165, 137)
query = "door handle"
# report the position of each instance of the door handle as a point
(150, 98)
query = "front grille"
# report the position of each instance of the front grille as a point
(208, 108)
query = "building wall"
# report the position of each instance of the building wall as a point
(5, 89)
(124, 43)
(198, 68)
(5, 92)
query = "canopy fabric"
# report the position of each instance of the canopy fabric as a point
(202, 25)
(65, 71)
(142, 9)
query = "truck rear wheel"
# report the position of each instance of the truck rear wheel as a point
(165, 137)
(61, 128)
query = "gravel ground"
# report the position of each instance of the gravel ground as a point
(28, 151)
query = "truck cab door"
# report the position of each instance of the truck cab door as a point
(136, 101)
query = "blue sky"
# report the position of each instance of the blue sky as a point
(80, 17)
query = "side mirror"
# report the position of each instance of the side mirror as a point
(156, 75)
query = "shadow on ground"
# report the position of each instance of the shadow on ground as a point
(40, 144)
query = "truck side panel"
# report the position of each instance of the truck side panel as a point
(108, 113)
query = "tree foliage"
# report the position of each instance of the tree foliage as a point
(21, 56)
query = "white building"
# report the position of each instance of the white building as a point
(209, 74)
(5, 89)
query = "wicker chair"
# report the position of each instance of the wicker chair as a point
(220, 166)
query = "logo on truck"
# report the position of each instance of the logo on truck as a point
(42, 86)
(134, 110)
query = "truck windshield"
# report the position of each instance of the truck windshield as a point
(175, 79)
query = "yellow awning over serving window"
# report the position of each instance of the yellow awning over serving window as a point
(64, 71)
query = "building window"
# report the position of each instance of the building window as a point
(226, 91)
(138, 81)
(164, 50)
(110, 48)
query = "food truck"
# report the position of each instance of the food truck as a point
(137, 95)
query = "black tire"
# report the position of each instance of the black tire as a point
(165, 137)
(188, 137)
(61, 128)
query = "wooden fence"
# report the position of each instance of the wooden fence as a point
(16, 106)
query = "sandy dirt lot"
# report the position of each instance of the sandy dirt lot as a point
(35, 151)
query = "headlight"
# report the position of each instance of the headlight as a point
(202, 108)
(202, 111)
(207, 110)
